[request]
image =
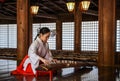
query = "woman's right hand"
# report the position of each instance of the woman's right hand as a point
(46, 62)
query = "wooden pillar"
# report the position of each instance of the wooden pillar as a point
(30, 27)
(59, 35)
(107, 30)
(106, 74)
(77, 29)
(22, 29)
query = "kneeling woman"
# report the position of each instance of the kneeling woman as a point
(38, 53)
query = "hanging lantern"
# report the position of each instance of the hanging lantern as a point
(34, 9)
(70, 6)
(85, 4)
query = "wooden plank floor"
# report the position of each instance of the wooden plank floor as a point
(65, 74)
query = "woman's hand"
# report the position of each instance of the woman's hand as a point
(46, 62)
(54, 61)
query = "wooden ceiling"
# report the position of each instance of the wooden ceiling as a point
(49, 9)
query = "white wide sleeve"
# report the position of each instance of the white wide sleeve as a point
(49, 56)
(32, 53)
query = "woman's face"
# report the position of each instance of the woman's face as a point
(45, 37)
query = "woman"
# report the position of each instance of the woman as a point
(38, 53)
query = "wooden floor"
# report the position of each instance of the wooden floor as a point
(65, 74)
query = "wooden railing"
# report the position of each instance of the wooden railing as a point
(8, 53)
(57, 54)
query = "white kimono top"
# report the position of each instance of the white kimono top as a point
(37, 49)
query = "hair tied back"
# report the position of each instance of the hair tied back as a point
(38, 30)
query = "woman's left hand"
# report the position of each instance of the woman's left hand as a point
(54, 61)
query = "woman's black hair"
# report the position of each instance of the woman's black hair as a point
(43, 31)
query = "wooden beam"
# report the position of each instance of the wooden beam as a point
(47, 8)
(46, 16)
(94, 3)
(7, 13)
(8, 18)
(9, 3)
(2, 16)
(11, 6)
(9, 10)
(56, 5)
(40, 10)
(91, 12)
(61, 1)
